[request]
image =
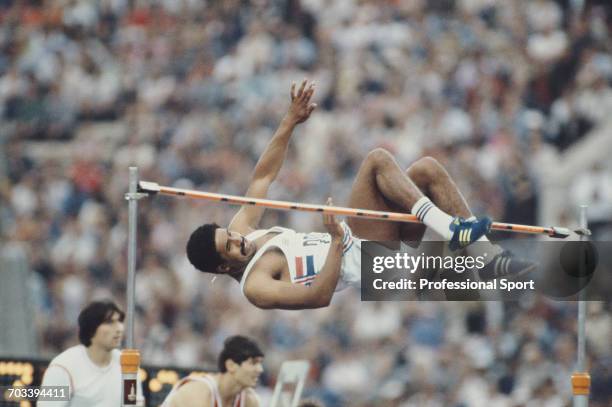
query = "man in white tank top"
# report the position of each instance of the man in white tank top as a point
(240, 365)
(279, 268)
(91, 370)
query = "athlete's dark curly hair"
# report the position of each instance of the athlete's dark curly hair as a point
(201, 250)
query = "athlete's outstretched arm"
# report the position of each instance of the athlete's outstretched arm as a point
(271, 160)
(264, 291)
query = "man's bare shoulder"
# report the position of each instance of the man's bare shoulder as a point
(194, 393)
(251, 398)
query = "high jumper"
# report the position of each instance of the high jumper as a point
(281, 268)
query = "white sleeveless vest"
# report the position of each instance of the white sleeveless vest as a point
(305, 252)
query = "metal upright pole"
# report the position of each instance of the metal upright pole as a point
(581, 380)
(132, 230)
(130, 357)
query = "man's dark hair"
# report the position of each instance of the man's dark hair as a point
(94, 315)
(238, 348)
(201, 250)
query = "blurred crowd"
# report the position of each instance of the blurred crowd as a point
(190, 91)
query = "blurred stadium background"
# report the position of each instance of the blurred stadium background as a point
(514, 97)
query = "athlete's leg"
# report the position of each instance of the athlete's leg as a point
(432, 178)
(381, 185)
(435, 182)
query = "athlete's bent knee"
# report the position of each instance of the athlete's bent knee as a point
(425, 169)
(429, 162)
(379, 155)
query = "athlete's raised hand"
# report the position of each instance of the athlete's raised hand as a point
(331, 224)
(301, 107)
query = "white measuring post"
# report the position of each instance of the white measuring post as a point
(130, 356)
(581, 380)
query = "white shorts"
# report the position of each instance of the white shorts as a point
(350, 273)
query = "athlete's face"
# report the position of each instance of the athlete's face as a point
(109, 334)
(233, 247)
(247, 373)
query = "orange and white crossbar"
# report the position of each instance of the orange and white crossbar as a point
(154, 188)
